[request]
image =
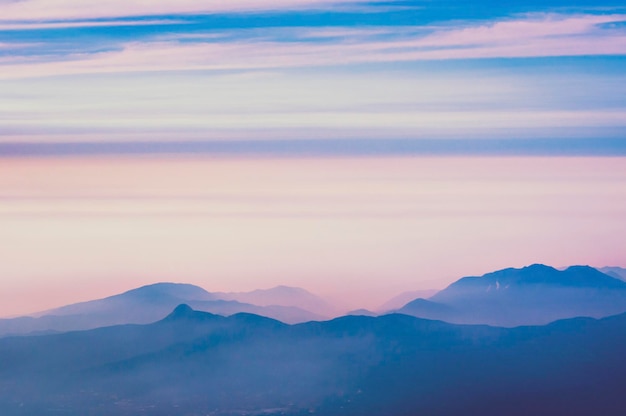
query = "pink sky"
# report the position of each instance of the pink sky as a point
(356, 229)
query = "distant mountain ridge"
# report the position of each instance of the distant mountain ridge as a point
(282, 296)
(143, 305)
(403, 298)
(155, 294)
(198, 363)
(533, 295)
(616, 272)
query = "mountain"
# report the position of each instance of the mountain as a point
(362, 312)
(616, 272)
(433, 310)
(197, 363)
(142, 305)
(403, 298)
(139, 303)
(282, 296)
(532, 295)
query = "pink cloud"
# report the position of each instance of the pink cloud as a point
(547, 36)
(518, 31)
(75, 24)
(31, 10)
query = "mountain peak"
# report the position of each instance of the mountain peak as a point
(535, 274)
(185, 312)
(182, 311)
(362, 312)
(581, 268)
(534, 294)
(537, 267)
(170, 290)
(282, 296)
(615, 272)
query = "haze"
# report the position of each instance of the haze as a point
(357, 149)
(356, 230)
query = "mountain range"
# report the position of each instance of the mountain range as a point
(533, 295)
(197, 363)
(282, 296)
(616, 272)
(403, 298)
(150, 303)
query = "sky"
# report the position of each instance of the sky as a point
(354, 148)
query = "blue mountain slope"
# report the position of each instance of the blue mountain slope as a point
(531, 295)
(142, 305)
(196, 363)
(616, 272)
(282, 296)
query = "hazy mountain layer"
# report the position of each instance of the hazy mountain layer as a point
(402, 299)
(533, 295)
(616, 272)
(143, 305)
(282, 296)
(195, 363)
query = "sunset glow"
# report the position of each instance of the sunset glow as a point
(357, 149)
(368, 227)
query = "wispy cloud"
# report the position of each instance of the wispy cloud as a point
(86, 23)
(240, 77)
(34, 10)
(325, 148)
(522, 30)
(531, 36)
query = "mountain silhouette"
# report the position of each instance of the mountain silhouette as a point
(282, 296)
(403, 298)
(362, 312)
(532, 295)
(142, 305)
(616, 272)
(197, 363)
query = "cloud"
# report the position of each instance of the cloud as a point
(531, 36)
(520, 31)
(86, 23)
(38, 10)
(321, 148)
(239, 83)
(14, 46)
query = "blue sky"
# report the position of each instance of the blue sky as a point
(123, 71)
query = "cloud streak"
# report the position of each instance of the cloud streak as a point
(327, 148)
(534, 36)
(244, 75)
(86, 24)
(37, 10)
